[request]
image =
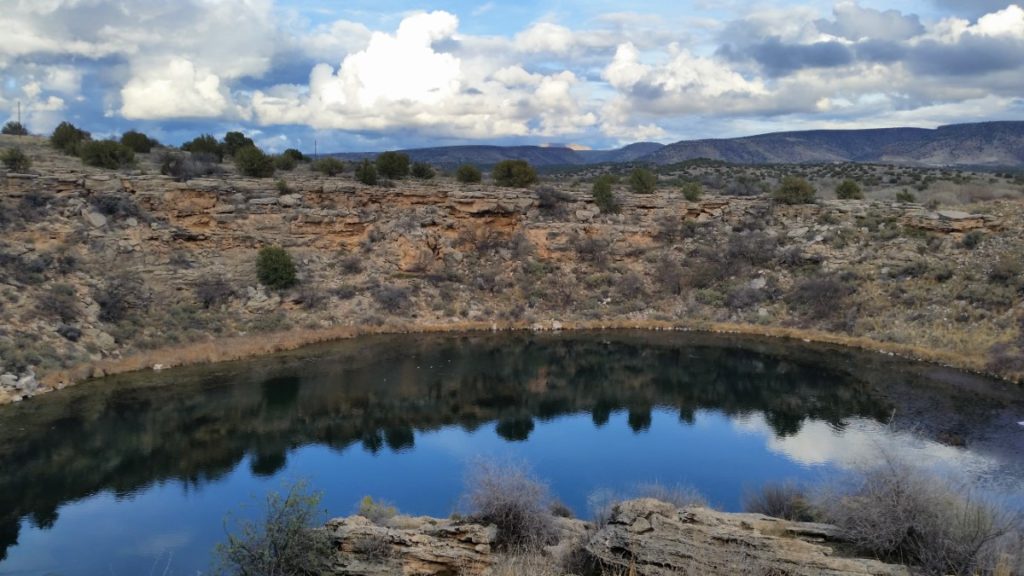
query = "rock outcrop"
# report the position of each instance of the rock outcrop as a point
(646, 537)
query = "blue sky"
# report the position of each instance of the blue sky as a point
(371, 75)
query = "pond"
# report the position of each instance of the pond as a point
(136, 474)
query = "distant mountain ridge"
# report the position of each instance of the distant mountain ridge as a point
(979, 144)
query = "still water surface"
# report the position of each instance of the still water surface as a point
(135, 475)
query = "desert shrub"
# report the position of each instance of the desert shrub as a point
(693, 191)
(15, 160)
(67, 138)
(514, 174)
(849, 190)
(906, 196)
(205, 144)
(121, 296)
(366, 173)
(252, 162)
(138, 142)
(59, 302)
(283, 187)
(642, 181)
(285, 163)
(752, 248)
(603, 195)
(744, 185)
(591, 248)
(679, 495)
(552, 201)
(329, 166)
(903, 514)
(819, 298)
(275, 268)
(106, 154)
(351, 264)
(468, 174)
(376, 511)
(294, 155)
(393, 165)
(286, 542)
(311, 295)
(14, 128)
(116, 204)
(391, 299)
(184, 167)
(972, 239)
(794, 190)
(212, 291)
(669, 274)
(1005, 270)
(511, 498)
(787, 501)
(744, 297)
(422, 170)
(234, 142)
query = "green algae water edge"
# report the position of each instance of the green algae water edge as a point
(135, 474)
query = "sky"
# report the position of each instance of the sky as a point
(364, 75)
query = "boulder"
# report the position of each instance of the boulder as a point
(411, 546)
(654, 538)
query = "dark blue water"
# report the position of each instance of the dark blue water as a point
(135, 475)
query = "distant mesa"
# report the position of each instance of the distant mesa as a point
(986, 144)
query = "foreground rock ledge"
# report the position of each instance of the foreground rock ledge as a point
(651, 537)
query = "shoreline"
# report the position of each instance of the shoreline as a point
(244, 347)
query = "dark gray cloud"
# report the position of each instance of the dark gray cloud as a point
(778, 58)
(973, 55)
(853, 23)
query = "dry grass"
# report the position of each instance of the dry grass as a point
(509, 496)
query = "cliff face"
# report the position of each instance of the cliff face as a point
(96, 266)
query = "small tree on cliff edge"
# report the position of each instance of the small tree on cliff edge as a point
(514, 173)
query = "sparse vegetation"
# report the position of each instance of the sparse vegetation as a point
(106, 154)
(275, 268)
(514, 174)
(15, 160)
(794, 190)
(786, 500)
(422, 170)
(14, 128)
(205, 145)
(138, 142)
(366, 173)
(329, 166)
(849, 190)
(603, 195)
(693, 191)
(513, 499)
(252, 162)
(642, 181)
(286, 542)
(393, 165)
(234, 142)
(68, 138)
(468, 174)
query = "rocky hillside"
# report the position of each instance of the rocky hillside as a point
(449, 157)
(984, 144)
(98, 267)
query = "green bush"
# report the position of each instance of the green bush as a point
(206, 145)
(106, 154)
(275, 268)
(514, 173)
(468, 174)
(849, 190)
(13, 128)
(693, 191)
(286, 542)
(294, 155)
(906, 196)
(68, 138)
(138, 142)
(604, 197)
(366, 172)
(15, 160)
(329, 166)
(422, 170)
(393, 165)
(794, 190)
(251, 161)
(642, 181)
(285, 163)
(235, 141)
